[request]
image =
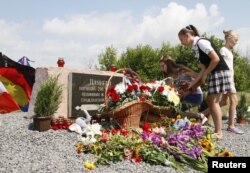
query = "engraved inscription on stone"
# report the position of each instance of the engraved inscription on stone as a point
(86, 91)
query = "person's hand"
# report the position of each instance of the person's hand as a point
(185, 85)
(192, 88)
(184, 93)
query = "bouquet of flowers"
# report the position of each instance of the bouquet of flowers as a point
(157, 92)
(125, 102)
(123, 93)
(162, 94)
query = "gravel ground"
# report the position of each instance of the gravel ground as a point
(27, 151)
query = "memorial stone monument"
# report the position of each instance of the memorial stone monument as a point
(87, 91)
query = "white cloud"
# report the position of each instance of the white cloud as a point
(10, 39)
(80, 38)
(93, 26)
(244, 43)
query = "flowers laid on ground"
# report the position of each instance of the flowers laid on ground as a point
(89, 165)
(164, 143)
(89, 133)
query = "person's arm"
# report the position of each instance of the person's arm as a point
(213, 63)
(198, 80)
(189, 72)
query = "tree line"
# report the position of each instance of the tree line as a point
(144, 60)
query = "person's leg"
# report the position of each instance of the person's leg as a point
(232, 110)
(207, 111)
(213, 101)
(223, 102)
(190, 101)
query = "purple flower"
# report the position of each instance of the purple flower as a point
(178, 139)
(172, 139)
(194, 152)
(145, 135)
(195, 131)
(198, 131)
(156, 139)
(183, 148)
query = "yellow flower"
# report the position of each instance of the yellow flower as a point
(173, 97)
(172, 120)
(153, 125)
(89, 165)
(137, 150)
(207, 144)
(224, 153)
(178, 117)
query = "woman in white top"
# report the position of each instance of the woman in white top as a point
(231, 39)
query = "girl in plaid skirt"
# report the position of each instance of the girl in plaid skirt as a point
(214, 71)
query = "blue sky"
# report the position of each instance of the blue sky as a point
(79, 30)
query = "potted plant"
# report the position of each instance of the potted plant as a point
(47, 102)
(242, 110)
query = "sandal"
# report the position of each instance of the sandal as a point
(217, 136)
(235, 130)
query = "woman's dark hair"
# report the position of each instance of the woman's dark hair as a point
(172, 67)
(165, 58)
(189, 29)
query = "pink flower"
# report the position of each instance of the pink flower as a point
(105, 137)
(128, 153)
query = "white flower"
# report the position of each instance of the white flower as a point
(165, 92)
(94, 129)
(150, 85)
(147, 93)
(157, 84)
(159, 130)
(88, 140)
(154, 85)
(120, 88)
(90, 131)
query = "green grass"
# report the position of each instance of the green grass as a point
(225, 108)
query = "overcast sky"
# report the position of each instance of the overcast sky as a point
(79, 30)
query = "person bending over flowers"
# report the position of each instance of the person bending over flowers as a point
(182, 77)
(214, 70)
